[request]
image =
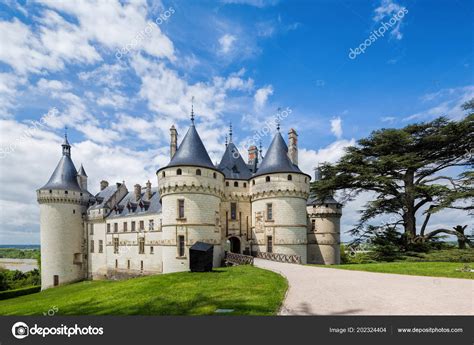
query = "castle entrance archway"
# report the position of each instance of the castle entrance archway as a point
(234, 244)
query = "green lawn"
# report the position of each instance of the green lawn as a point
(431, 269)
(246, 289)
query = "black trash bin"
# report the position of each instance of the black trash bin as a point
(200, 257)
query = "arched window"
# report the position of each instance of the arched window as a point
(163, 174)
(253, 182)
(179, 172)
(236, 184)
(198, 172)
(267, 179)
(290, 177)
(245, 184)
(214, 175)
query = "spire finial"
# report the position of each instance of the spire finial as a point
(65, 132)
(230, 131)
(192, 110)
(226, 140)
(278, 119)
(260, 148)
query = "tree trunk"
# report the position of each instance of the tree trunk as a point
(409, 218)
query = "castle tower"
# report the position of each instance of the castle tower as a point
(324, 228)
(279, 191)
(191, 189)
(62, 205)
(235, 206)
(82, 178)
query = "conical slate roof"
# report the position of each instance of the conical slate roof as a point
(81, 171)
(232, 164)
(276, 160)
(64, 176)
(191, 152)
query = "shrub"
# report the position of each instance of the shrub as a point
(19, 292)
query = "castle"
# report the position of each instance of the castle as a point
(263, 205)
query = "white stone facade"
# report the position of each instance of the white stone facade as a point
(268, 212)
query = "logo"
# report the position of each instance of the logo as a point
(20, 330)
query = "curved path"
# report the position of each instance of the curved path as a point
(329, 291)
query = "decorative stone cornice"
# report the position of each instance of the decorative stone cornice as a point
(280, 193)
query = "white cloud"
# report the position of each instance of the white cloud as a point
(445, 102)
(226, 43)
(255, 3)
(388, 9)
(336, 127)
(261, 96)
(53, 85)
(9, 91)
(309, 159)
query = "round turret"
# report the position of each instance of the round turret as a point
(279, 191)
(191, 189)
(62, 205)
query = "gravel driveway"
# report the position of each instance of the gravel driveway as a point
(329, 291)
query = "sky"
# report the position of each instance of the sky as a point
(119, 74)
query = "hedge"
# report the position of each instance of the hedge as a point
(19, 292)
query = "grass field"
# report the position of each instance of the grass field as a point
(431, 269)
(245, 289)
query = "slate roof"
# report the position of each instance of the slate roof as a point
(276, 159)
(64, 176)
(101, 198)
(191, 152)
(129, 206)
(317, 201)
(232, 164)
(81, 171)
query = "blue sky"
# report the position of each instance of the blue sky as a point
(64, 64)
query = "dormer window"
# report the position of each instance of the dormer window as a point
(198, 172)
(179, 172)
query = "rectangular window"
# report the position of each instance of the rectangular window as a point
(142, 225)
(313, 224)
(91, 229)
(141, 246)
(115, 227)
(269, 244)
(141, 265)
(116, 245)
(181, 247)
(151, 250)
(125, 226)
(128, 264)
(269, 211)
(133, 226)
(233, 210)
(56, 280)
(151, 225)
(116, 263)
(101, 246)
(180, 208)
(108, 227)
(92, 246)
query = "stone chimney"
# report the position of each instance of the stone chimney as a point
(253, 154)
(103, 184)
(174, 141)
(293, 146)
(138, 192)
(148, 190)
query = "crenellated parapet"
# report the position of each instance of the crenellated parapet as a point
(54, 196)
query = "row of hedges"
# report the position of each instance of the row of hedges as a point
(19, 292)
